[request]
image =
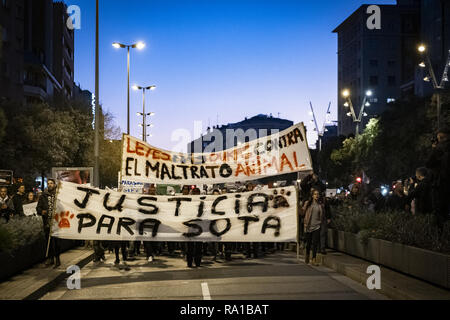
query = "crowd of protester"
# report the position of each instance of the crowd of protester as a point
(426, 192)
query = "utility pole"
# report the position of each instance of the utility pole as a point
(97, 106)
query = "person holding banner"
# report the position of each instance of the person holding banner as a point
(44, 209)
(314, 212)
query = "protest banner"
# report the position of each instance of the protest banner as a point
(86, 213)
(281, 153)
(30, 209)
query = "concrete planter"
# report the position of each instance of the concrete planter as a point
(430, 266)
(341, 241)
(424, 264)
(19, 260)
(332, 238)
(372, 250)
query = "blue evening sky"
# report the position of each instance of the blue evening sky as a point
(214, 59)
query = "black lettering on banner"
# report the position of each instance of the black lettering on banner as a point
(125, 223)
(201, 207)
(290, 138)
(247, 220)
(215, 203)
(151, 224)
(118, 206)
(194, 174)
(136, 167)
(108, 225)
(149, 166)
(89, 193)
(141, 202)
(127, 167)
(174, 176)
(184, 167)
(165, 171)
(203, 172)
(297, 135)
(264, 204)
(179, 200)
(212, 227)
(276, 226)
(269, 146)
(191, 224)
(256, 151)
(81, 224)
(213, 172)
(282, 140)
(225, 171)
(237, 204)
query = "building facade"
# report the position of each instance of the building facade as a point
(381, 60)
(234, 134)
(36, 51)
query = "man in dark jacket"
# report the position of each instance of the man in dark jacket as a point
(45, 210)
(421, 192)
(18, 201)
(439, 164)
(6, 204)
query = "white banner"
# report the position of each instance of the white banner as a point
(282, 153)
(30, 209)
(86, 213)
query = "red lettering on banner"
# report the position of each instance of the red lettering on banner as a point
(240, 168)
(156, 154)
(295, 159)
(139, 148)
(250, 171)
(128, 147)
(285, 161)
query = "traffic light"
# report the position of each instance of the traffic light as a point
(359, 179)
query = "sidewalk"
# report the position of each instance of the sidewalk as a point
(394, 285)
(38, 280)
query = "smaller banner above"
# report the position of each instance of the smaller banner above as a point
(281, 153)
(86, 213)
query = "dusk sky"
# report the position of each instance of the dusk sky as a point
(213, 59)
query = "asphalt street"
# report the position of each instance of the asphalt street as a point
(277, 276)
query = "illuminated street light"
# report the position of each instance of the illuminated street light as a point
(139, 46)
(438, 87)
(348, 103)
(143, 113)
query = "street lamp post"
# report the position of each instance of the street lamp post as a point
(143, 113)
(139, 46)
(348, 103)
(97, 107)
(432, 77)
(320, 133)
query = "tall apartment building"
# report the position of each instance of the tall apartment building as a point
(36, 51)
(382, 60)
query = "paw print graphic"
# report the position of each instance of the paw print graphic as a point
(63, 219)
(279, 200)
